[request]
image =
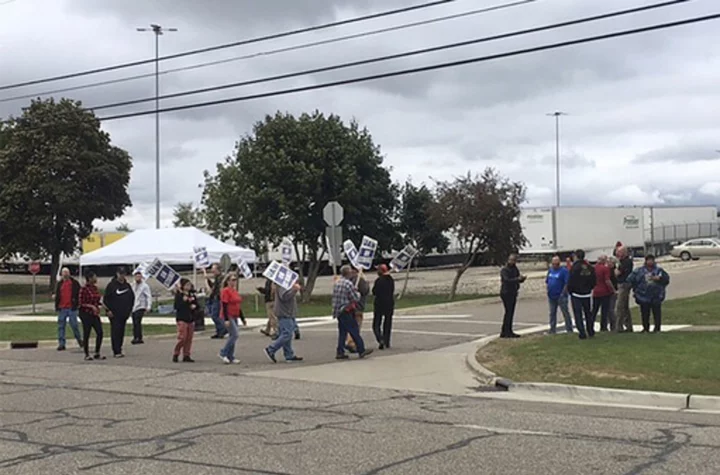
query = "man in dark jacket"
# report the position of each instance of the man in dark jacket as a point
(623, 271)
(67, 296)
(510, 280)
(580, 286)
(384, 307)
(271, 327)
(119, 301)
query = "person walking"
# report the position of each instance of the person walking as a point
(556, 283)
(286, 310)
(602, 292)
(67, 296)
(230, 312)
(271, 327)
(383, 307)
(214, 283)
(510, 280)
(363, 288)
(185, 306)
(119, 301)
(143, 304)
(622, 309)
(649, 283)
(90, 301)
(345, 298)
(580, 286)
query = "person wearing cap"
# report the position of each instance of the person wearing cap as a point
(143, 304)
(384, 306)
(119, 300)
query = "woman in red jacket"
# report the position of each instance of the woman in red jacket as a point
(230, 311)
(90, 301)
(603, 292)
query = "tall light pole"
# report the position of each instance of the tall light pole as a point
(157, 30)
(557, 115)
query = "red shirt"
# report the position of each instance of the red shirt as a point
(66, 289)
(89, 299)
(231, 298)
(602, 288)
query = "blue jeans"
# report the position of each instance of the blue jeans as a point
(212, 308)
(69, 316)
(562, 303)
(286, 329)
(228, 351)
(348, 324)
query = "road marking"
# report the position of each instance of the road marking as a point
(420, 332)
(500, 430)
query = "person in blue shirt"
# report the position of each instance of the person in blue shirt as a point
(556, 282)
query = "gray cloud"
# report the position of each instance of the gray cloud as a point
(684, 152)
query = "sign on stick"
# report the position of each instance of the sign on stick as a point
(244, 268)
(164, 274)
(202, 260)
(281, 275)
(286, 250)
(143, 269)
(351, 253)
(34, 268)
(403, 258)
(366, 254)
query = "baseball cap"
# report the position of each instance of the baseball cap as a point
(383, 269)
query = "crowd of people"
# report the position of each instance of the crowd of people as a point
(587, 289)
(123, 300)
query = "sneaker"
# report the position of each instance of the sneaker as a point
(134, 342)
(98, 356)
(119, 355)
(294, 359)
(366, 353)
(264, 332)
(61, 348)
(187, 359)
(381, 346)
(88, 358)
(175, 359)
(351, 349)
(269, 355)
(236, 361)
(226, 360)
(342, 357)
(216, 336)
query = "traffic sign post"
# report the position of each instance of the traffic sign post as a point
(333, 214)
(34, 269)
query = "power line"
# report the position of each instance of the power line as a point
(234, 44)
(433, 49)
(433, 67)
(274, 51)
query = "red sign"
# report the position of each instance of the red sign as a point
(34, 267)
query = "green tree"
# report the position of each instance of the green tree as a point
(483, 214)
(123, 228)
(417, 226)
(186, 215)
(60, 173)
(280, 177)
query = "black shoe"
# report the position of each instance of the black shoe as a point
(175, 359)
(297, 335)
(366, 353)
(656, 330)
(98, 356)
(269, 355)
(582, 336)
(265, 332)
(134, 342)
(381, 346)
(514, 335)
(294, 358)
(350, 349)
(342, 357)
(217, 336)
(61, 348)
(187, 359)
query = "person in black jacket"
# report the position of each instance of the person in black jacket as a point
(384, 306)
(580, 286)
(186, 305)
(67, 298)
(510, 280)
(119, 301)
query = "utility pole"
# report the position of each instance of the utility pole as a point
(557, 115)
(157, 30)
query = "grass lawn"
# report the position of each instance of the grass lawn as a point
(319, 306)
(700, 310)
(673, 362)
(12, 295)
(22, 331)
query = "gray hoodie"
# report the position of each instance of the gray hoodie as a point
(286, 302)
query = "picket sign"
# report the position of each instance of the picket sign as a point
(143, 269)
(403, 258)
(244, 268)
(286, 250)
(351, 253)
(281, 275)
(366, 254)
(202, 260)
(164, 274)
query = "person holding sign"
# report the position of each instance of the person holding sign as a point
(143, 304)
(364, 289)
(185, 306)
(230, 312)
(212, 306)
(286, 310)
(345, 299)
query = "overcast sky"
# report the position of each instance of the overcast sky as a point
(644, 111)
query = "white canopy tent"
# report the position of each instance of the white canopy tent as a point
(170, 245)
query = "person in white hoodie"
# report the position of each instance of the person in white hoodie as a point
(143, 304)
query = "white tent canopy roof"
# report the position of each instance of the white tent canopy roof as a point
(170, 245)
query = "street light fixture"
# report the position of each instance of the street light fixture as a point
(557, 115)
(157, 30)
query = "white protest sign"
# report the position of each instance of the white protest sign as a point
(154, 268)
(143, 268)
(281, 275)
(366, 254)
(202, 260)
(351, 253)
(403, 258)
(165, 274)
(244, 268)
(286, 250)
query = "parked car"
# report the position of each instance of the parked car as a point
(696, 248)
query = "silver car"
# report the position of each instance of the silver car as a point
(696, 248)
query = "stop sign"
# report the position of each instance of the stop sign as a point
(34, 267)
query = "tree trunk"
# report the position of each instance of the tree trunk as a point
(313, 271)
(460, 272)
(54, 264)
(407, 278)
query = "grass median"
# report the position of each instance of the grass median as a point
(672, 362)
(24, 331)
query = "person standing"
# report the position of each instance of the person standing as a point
(602, 292)
(230, 312)
(363, 288)
(185, 306)
(271, 327)
(345, 298)
(649, 283)
(612, 263)
(143, 304)
(384, 306)
(510, 280)
(119, 301)
(286, 310)
(67, 295)
(580, 286)
(212, 306)
(90, 301)
(556, 283)
(622, 310)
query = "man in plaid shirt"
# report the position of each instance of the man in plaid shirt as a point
(345, 298)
